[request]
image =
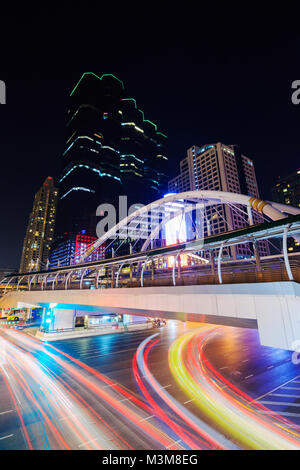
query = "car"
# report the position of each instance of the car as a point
(158, 322)
(13, 318)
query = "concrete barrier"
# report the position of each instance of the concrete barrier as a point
(89, 332)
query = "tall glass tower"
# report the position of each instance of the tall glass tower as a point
(111, 150)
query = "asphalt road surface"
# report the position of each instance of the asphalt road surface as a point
(183, 386)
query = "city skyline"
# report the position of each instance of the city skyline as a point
(151, 174)
(247, 102)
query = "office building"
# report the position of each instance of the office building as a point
(287, 191)
(40, 228)
(111, 150)
(70, 248)
(220, 167)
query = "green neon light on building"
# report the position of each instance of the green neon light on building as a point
(160, 133)
(97, 76)
(135, 105)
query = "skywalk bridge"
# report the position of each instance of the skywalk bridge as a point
(261, 292)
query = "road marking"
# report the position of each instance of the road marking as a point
(248, 377)
(90, 356)
(279, 403)
(281, 413)
(6, 437)
(222, 368)
(111, 385)
(175, 442)
(284, 395)
(125, 399)
(289, 413)
(166, 386)
(274, 389)
(4, 412)
(189, 401)
(87, 442)
(148, 417)
(270, 367)
(245, 360)
(291, 388)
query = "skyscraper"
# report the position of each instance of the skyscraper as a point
(40, 228)
(224, 168)
(287, 191)
(111, 150)
(69, 249)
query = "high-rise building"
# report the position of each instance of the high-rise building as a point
(111, 150)
(70, 249)
(40, 228)
(287, 191)
(220, 167)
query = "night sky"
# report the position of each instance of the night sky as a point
(200, 81)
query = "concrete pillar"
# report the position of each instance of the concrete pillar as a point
(278, 322)
(63, 319)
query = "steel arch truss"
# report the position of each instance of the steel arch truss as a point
(147, 223)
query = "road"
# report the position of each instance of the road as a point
(184, 386)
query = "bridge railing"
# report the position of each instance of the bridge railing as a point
(271, 271)
(243, 271)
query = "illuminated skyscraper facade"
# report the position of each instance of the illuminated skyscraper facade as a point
(220, 167)
(70, 249)
(287, 191)
(40, 228)
(111, 150)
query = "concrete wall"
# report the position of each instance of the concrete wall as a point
(272, 307)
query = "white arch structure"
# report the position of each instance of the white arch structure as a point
(202, 200)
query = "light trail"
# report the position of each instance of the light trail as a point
(63, 414)
(211, 437)
(232, 411)
(62, 403)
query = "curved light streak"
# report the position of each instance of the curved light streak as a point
(229, 408)
(64, 418)
(213, 437)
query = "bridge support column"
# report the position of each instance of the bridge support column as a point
(257, 261)
(176, 262)
(112, 277)
(63, 319)
(212, 262)
(152, 271)
(219, 263)
(286, 256)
